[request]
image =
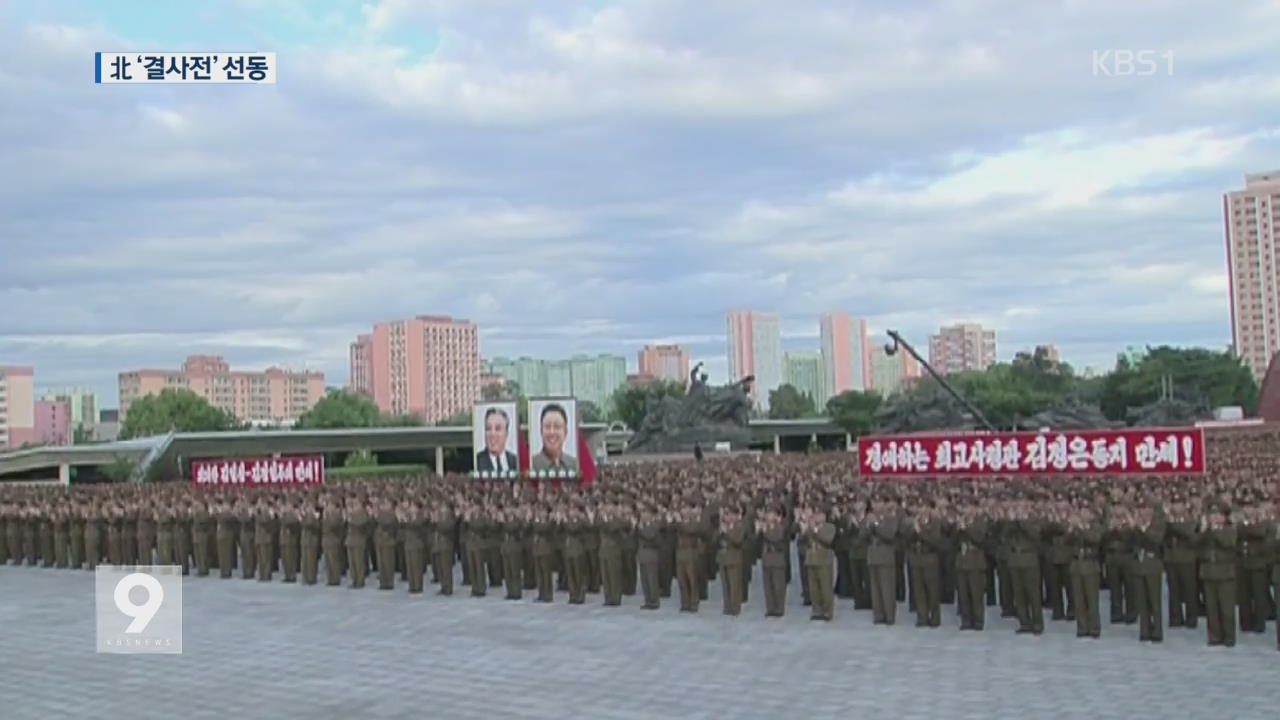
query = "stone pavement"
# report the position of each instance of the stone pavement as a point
(257, 650)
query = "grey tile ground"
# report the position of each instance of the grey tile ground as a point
(257, 650)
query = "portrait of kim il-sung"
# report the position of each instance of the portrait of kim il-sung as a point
(495, 439)
(553, 437)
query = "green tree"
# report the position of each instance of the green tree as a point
(341, 409)
(788, 403)
(855, 410)
(507, 390)
(458, 419)
(361, 457)
(589, 412)
(120, 469)
(1193, 375)
(401, 420)
(178, 410)
(631, 403)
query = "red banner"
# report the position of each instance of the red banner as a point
(289, 470)
(1070, 452)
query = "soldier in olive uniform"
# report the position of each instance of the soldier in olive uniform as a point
(1024, 562)
(1058, 567)
(881, 561)
(1085, 533)
(820, 535)
(690, 540)
(613, 528)
(44, 532)
(129, 534)
(1180, 567)
(1148, 571)
(971, 572)
(309, 542)
(333, 524)
(4, 533)
(443, 526)
(649, 539)
(544, 553)
(147, 525)
(290, 529)
(1253, 581)
(248, 546)
(575, 561)
(115, 534)
(93, 529)
(512, 528)
(1218, 570)
(413, 537)
(592, 577)
(264, 525)
(733, 536)
(1119, 575)
(182, 544)
(925, 545)
(200, 523)
(385, 535)
(776, 545)
(227, 531)
(164, 533)
(357, 541)
(61, 538)
(477, 538)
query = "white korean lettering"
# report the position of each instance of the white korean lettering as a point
(873, 458)
(1078, 453)
(1038, 454)
(942, 456)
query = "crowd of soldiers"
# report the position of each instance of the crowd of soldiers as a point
(1026, 544)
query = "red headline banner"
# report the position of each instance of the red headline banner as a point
(1069, 452)
(289, 470)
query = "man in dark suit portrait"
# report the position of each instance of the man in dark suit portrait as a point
(495, 457)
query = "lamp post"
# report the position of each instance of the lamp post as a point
(892, 349)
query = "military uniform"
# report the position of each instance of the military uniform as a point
(164, 536)
(544, 557)
(309, 544)
(690, 540)
(971, 575)
(182, 544)
(926, 546)
(1253, 581)
(129, 536)
(1180, 569)
(333, 528)
(575, 562)
(818, 561)
(881, 559)
(649, 537)
(200, 521)
(591, 558)
(385, 540)
(248, 556)
(442, 550)
(61, 539)
(859, 574)
(730, 559)
(1218, 570)
(1148, 570)
(93, 537)
(357, 546)
(147, 528)
(413, 537)
(1058, 567)
(773, 560)
(1024, 563)
(1086, 577)
(264, 523)
(1120, 576)
(227, 530)
(115, 538)
(45, 534)
(513, 552)
(610, 559)
(477, 553)
(290, 529)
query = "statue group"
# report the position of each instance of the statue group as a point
(704, 417)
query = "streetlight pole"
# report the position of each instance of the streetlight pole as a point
(891, 349)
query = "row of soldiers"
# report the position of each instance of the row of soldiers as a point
(1025, 545)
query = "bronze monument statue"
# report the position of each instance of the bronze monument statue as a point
(704, 416)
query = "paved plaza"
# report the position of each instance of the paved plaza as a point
(259, 650)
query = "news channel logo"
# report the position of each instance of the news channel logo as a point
(1132, 63)
(139, 609)
(195, 68)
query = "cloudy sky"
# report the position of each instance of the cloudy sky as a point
(590, 176)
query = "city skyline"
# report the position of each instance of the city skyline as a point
(446, 157)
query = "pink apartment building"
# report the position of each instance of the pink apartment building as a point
(17, 405)
(755, 348)
(665, 362)
(427, 365)
(846, 356)
(53, 422)
(1252, 220)
(274, 395)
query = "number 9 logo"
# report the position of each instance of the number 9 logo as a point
(141, 614)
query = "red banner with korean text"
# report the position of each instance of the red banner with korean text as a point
(287, 470)
(1135, 451)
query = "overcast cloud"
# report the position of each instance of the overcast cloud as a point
(591, 176)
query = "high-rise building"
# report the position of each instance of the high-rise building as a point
(269, 397)
(1252, 220)
(83, 403)
(755, 348)
(966, 346)
(846, 357)
(890, 373)
(53, 422)
(360, 377)
(17, 405)
(427, 365)
(588, 378)
(665, 362)
(1050, 352)
(804, 372)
